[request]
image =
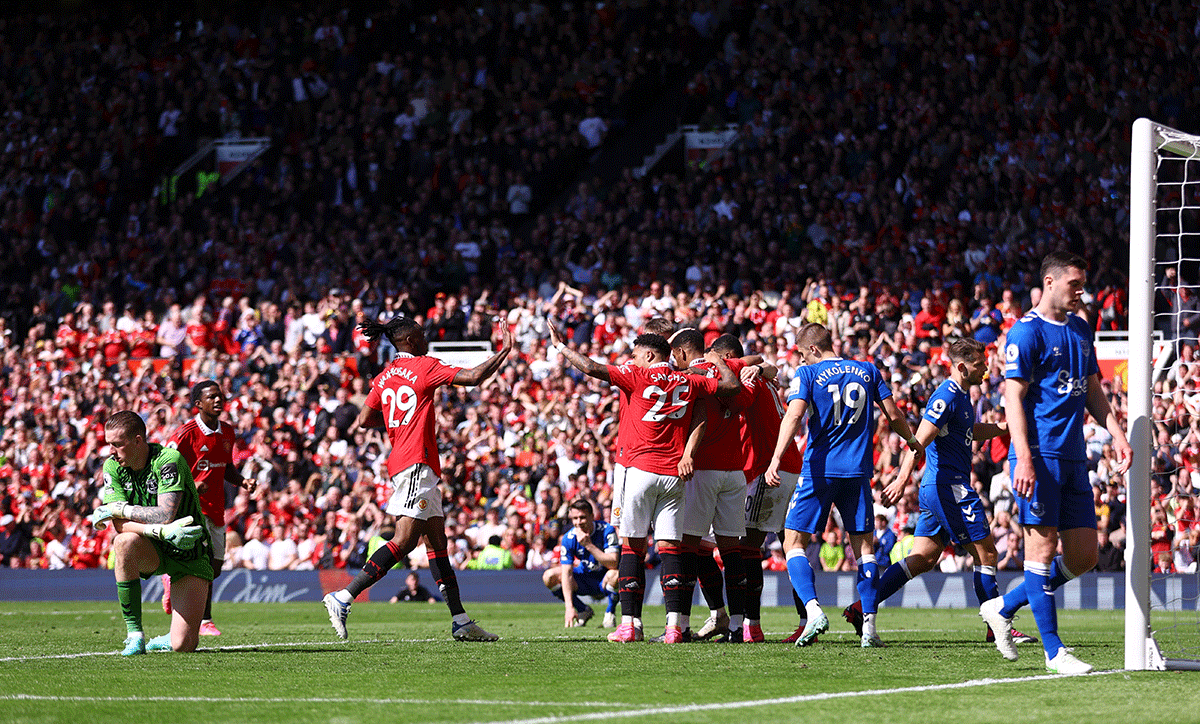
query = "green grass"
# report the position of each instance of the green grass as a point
(282, 663)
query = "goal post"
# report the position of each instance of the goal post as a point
(1164, 178)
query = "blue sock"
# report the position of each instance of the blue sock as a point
(1041, 603)
(1018, 597)
(801, 574)
(892, 580)
(985, 583)
(868, 579)
(612, 603)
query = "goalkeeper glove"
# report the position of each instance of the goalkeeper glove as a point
(179, 533)
(101, 516)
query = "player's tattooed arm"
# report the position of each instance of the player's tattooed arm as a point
(586, 365)
(164, 512)
(487, 368)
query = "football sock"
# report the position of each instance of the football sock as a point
(630, 585)
(208, 600)
(869, 624)
(443, 575)
(672, 578)
(735, 582)
(710, 580)
(798, 604)
(129, 595)
(579, 603)
(1019, 596)
(752, 559)
(801, 574)
(690, 562)
(376, 568)
(892, 580)
(612, 602)
(558, 592)
(985, 583)
(1041, 603)
(868, 577)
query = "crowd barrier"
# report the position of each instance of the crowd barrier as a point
(1095, 591)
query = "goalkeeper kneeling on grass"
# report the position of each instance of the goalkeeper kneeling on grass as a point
(151, 499)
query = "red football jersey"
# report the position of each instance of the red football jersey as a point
(622, 430)
(208, 453)
(721, 448)
(659, 413)
(761, 429)
(403, 392)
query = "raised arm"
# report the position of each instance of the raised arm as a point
(728, 385)
(586, 365)
(487, 368)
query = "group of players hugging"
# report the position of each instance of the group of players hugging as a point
(705, 458)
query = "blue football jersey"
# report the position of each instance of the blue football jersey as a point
(949, 455)
(603, 536)
(1056, 359)
(841, 396)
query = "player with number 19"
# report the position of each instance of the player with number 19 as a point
(401, 401)
(839, 396)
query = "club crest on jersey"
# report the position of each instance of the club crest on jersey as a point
(1037, 509)
(423, 504)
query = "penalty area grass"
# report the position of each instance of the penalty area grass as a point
(282, 663)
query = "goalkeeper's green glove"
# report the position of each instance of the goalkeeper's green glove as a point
(179, 533)
(101, 516)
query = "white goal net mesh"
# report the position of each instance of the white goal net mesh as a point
(1175, 403)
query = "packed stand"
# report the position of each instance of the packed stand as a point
(903, 206)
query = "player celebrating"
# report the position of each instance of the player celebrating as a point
(588, 565)
(837, 466)
(715, 496)
(659, 414)
(1051, 381)
(150, 498)
(401, 400)
(950, 507)
(207, 446)
(765, 504)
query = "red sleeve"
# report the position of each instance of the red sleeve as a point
(373, 400)
(745, 396)
(441, 373)
(703, 386)
(621, 376)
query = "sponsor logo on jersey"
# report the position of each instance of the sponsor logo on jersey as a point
(1011, 353)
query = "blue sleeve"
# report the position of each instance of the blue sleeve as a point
(938, 407)
(610, 539)
(1091, 365)
(882, 391)
(1020, 352)
(798, 390)
(568, 549)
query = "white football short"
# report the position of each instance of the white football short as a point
(216, 534)
(618, 492)
(715, 500)
(652, 500)
(766, 507)
(415, 494)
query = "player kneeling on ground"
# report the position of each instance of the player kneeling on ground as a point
(150, 498)
(590, 553)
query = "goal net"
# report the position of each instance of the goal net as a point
(1162, 623)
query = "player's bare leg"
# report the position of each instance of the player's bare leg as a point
(188, 594)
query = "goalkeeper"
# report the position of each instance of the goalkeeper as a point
(150, 498)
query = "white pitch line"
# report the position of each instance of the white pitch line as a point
(754, 703)
(55, 613)
(241, 647)
(292, 700)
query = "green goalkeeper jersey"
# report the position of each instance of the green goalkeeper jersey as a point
(166, 471)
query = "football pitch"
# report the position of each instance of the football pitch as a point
(282, 663)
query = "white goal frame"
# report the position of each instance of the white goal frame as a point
(1149, 140)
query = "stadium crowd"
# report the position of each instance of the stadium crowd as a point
(897, 172)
